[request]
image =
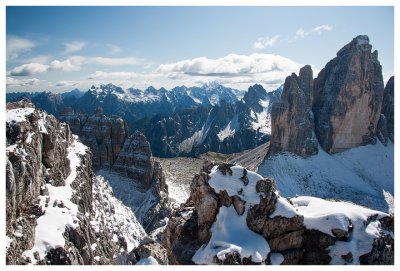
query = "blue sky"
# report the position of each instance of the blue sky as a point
(61, 48)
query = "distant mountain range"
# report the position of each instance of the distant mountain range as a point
(131, 104)
(181, 121)
(224, 128)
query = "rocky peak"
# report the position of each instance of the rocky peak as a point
(135, 161)
(254, 95)
(306, 80)
(348, 95)
(361, 42)
(292, 118)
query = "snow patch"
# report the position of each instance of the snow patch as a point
(262, 120)
(283, 208)
(324, 216)
(197, 138)
(147, 261)
(229, 130)
(277, 258)
(8, 242)
(18, 115)
(231, 234)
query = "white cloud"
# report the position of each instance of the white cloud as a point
(101, 75)
(66, 83)
(29, 69)
(65, 66)
(264, 42)
(234, 70)
(12, 82)
(36, 68)
(114, 49)
(300, 33)
(108, 61)
(71, 64)
(105, 61)
(74, 46)
(42, 59)
(321, 28)
(16, 46)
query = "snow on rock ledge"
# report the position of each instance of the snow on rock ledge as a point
(235, 216)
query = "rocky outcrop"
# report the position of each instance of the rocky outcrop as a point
(53, 199)
(301, 229)
(104, 135)
(385, 128)
(348, 95)
(134, 160)
(149, 248)
(292, 118)
(136, 163)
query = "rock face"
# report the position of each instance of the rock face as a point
(344, 107)
(52, 207)
(348, 95)
(292, 117)
(104, 135)
(301, 230)
(385, 127)
(134, 160)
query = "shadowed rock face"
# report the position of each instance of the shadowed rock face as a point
(348, 95)
(385, 127)
(134, 160)
(292, 118)
(104, 135)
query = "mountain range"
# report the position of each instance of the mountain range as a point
(313, 181)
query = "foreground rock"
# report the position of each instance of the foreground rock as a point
(209, 229)
(56, 211)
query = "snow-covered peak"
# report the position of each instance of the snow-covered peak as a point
(212, 85)
(362, 39)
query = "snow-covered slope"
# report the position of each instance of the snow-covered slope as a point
(59, 210)
(261, 121)
(111, 213)
(361, 175)
(131, 194)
